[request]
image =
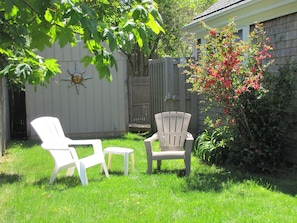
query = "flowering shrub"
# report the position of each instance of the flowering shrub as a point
(230, 74)
(228, 67)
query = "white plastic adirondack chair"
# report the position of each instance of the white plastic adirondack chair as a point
(53, 139)
(175, 141)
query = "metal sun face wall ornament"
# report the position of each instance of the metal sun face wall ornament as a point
(76, 78)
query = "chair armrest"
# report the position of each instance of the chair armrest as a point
(82, 141)
(96, 143)
(148, 144)
(189, 136)
(154, 137)
(53, 146)
(189, 143)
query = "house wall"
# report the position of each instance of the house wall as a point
(282, 32)
(101, 107)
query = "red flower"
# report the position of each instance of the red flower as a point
(256, 85)
(212, 32)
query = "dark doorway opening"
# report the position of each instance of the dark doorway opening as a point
(17, 110)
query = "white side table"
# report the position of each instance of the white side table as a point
(120, 151)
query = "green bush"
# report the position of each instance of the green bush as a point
(232, 75)
(262, 122)
(256, 139)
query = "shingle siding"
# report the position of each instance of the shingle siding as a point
(282, 32)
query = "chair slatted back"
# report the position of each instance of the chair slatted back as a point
(172, 129)
(49, 130)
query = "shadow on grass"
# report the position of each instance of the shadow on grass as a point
(116, 173)
(177, 172)
(285, 181)
(60, 183)
(9, 178)
(24, 144)
(208, 181)
(63, 183)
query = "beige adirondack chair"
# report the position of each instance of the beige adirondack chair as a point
(61, 148)
(175, 141)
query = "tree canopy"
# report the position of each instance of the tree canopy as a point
(173, 42)
(176, 14)
(104, 26)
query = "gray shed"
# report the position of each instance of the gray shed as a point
(95, 108)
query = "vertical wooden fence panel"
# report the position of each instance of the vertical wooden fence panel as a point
(169, 91)
(139, 103)
(157, 88)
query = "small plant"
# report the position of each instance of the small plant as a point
(210, 145)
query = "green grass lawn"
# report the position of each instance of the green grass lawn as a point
(209, 194)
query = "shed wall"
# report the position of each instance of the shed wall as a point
(98, 109)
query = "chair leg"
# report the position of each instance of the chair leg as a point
(132, 161)
(149, 166)
(83, 174)
(105, 169)
(126, 163)
(53, 176)
(70, 171)
(159, 162)
(109, 160)
(188, 166)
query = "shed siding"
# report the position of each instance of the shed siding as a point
(100, 108)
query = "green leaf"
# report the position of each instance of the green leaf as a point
(11, 10)
(113, 62)
(86, 60)
(3, 51)
(8, 7)
(65, 36)
(88, 24)
(109, 77)
(155, 14)
(41, 6)
(74, 17)
(103, 71)
(92, 45)
(139, 13)
(111, 39)
(154, 25)
(52, 65)
(129, 26)
(39, 39)
(138, 38)
(48, 16)
(52, 34)
(106, 2)
(23, 69)
(88, 11)
(143, 36)
(7, 69)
